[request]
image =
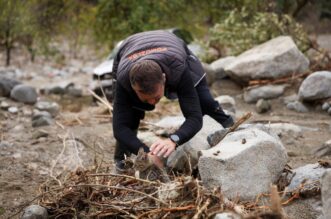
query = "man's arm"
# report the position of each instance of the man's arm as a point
(191, 109)
(123, 117)
(190, 106)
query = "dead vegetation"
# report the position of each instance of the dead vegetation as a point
(100, 194)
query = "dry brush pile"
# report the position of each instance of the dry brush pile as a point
(99, 194)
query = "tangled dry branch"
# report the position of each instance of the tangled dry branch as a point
(86, 193)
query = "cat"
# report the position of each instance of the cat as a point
(144, 165)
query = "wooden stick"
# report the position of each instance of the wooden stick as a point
(277, 81)
(106, 103)
(234, 127)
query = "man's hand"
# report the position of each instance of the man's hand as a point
(163, 148)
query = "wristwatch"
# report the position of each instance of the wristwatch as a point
(174, 138)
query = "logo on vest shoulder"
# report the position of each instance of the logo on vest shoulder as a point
(146, 52)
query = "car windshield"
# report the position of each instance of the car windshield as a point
(115, 50)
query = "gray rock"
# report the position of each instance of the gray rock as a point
(13, 109)
(227, 103)
(219, 66)
(326, 193)
(325, 106)
(263, 106)
(4, 105)
(58, 89)
(171, 122)
(297, 106)
(308, 175)
(316, 86)
(39, 114)
(291, 98)
(6, 85)
(276, 58)
(5, 144)
(287, 129)
(244, 154)
(186, 155)
(227, 215)
(42, 121)
(329, 111)
(309, 208)
(35, 212)
(323, 150)
(51, 107)
(263, 92)
(210, 73)
(40, 134)
(74, 92)
(24, 93)
(214, 138)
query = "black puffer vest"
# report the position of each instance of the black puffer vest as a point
(163, 47)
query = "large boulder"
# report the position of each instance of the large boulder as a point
(186, 156)
(316, 86)
(24, 93)
(326, 193)
(244, 163)
(276, 58)
(6, 85)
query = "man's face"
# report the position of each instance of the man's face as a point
(153, 98)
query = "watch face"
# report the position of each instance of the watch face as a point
(175, 138)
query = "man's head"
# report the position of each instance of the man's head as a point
(147, 80)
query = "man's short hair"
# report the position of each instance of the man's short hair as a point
(146, 74)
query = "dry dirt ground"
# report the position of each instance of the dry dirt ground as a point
(83, 133)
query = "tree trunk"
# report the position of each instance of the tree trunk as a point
(8, 47)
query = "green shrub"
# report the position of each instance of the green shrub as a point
(242, 30)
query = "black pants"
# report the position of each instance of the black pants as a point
(209, 107)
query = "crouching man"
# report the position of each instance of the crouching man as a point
(148, 66)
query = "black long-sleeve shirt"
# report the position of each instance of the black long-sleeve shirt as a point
(125, 112)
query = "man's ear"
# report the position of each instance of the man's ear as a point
(164, 77)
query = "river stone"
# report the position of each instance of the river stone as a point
(309, 174)
(24, 93)
(227, 215)
(42, 121)
(35, 212)
(297, 106)
(13, 109)
(262, 106)
(186, 155)
(4, 105)
(325, 106)
(273, 59)
(263, 92)
(6, 85)
(245, 163)
(169, 122)
(316, 86)
(227, 103)
(51, 107)
(326, 193)
(323, 150)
